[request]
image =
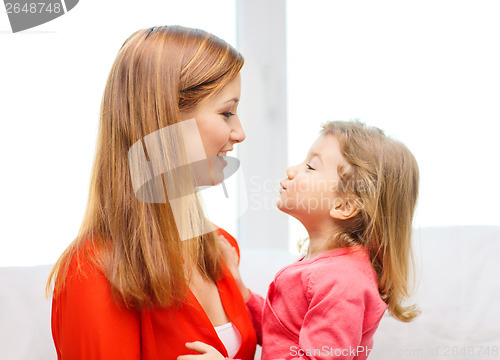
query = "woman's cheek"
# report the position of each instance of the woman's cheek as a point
(218, 136)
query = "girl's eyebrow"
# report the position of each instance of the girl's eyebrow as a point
(318, 155)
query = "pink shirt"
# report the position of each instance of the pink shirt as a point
(322, 308)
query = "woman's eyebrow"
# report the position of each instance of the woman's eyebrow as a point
(235, 100)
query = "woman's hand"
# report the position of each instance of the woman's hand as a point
(206, 351)
(232, 260)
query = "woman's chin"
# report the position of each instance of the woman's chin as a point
(207, 180)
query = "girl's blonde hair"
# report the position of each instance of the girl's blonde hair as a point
(157, 74)
(382, 178)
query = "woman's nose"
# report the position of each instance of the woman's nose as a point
(237, 133)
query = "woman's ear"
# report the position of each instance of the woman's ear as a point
(344, 208)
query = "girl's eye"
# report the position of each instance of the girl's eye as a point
(309, 167)
(227, 115)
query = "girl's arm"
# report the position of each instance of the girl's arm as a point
(255, 307)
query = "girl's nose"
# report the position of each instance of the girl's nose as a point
(291, 172)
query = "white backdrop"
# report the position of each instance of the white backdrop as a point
(51, 81)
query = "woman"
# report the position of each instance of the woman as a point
(142, 278)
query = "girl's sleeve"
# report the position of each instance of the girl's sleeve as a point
(87, 323)
(334, 322)
(255, 307)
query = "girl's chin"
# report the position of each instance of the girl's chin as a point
(280, 204)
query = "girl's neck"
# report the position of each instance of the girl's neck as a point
(319, 240)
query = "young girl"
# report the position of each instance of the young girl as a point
(355, 193)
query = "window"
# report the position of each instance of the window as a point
(426, 72)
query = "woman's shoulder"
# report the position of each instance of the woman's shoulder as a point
(86, 288)
(87, 318)
(84, 272)
(85, 256)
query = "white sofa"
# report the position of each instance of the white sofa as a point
(458, 293)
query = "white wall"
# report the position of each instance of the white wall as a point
(262, 40)
(51, 81)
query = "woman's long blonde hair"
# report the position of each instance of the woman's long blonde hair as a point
(383, 179)
(158, 73)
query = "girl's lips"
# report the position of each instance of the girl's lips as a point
(283, 188)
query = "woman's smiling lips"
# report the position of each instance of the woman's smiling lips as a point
(224, 162)
(222, 154)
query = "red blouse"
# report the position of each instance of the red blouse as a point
(87, 324)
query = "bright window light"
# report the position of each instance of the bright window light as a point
(426, 72)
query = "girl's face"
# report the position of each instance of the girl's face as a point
(220, 128)
(309, 191)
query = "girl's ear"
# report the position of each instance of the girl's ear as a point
(344, 208)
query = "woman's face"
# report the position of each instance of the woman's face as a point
(219, 127)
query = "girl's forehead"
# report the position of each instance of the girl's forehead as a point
(328, 148)
(325, 144)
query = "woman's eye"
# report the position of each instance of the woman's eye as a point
(227, 115)
(309, 167)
